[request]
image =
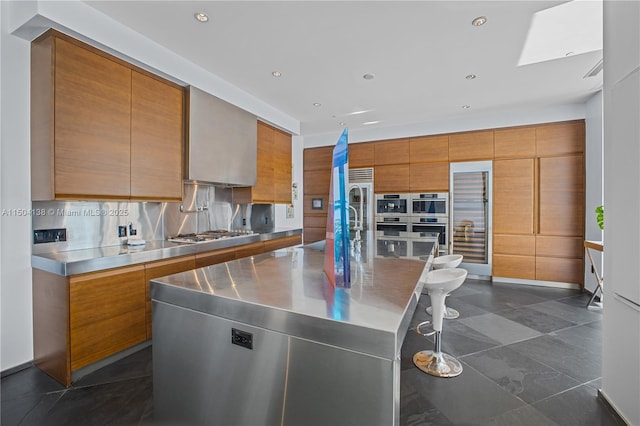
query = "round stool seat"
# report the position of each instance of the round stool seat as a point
(448, 261)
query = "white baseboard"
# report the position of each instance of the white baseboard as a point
(538, 283)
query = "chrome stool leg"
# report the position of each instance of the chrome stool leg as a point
(436, 362)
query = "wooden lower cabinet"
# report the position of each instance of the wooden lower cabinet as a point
(560, 270)
(214, 257)
(514, 266)
(279, 243)
(250, 250)
(160, 269)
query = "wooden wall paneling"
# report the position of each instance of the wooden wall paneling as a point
(264, 190)
(513, 196)
(515, 142)
(514, 266)
(523, 245)
(157, 139)
(279, 243)
(361, 155)
(317, 181)
(158, 269)
(318, 158)
(560, 138)
(107, 313)
(91, 161)
(471, 146)
(394, 178)
(249, 250)
(551, 246)
(282, 167)
(214, 257)
(311, 235)
(560, 270)
(429, 149)
(561, 196)
(429, 177)
(51, 336)
(394, 151)
(318, 221)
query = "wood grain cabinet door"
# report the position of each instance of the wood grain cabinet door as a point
(561, 199)
(107, 313)
(560, 138)
(157, 136)
(429, 149)
(282, 167)
(429, 177)
(513, 196)
(263, 189)
(471, 146)
(92, 125)
(517, 142)
(393, 178)
(361, 155)
(391, 152)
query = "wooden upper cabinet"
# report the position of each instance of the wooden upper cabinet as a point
(560, 138)
(393, 178)
(429, 177)
(429, 149)
(92, 124)
(94, 119)
(562, 196)
(282, 167)
(513, 196)
(361, 155)
(157, 136)
(318, 158)
(517, 142)
(471, 146)
(394, 151)
(273, 183)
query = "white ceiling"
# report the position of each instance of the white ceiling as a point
(419, 51)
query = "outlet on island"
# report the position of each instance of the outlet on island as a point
(132, 230)
(122, 231)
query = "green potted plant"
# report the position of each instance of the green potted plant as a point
(600, 216)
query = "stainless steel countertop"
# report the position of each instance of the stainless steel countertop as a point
(287, 291)
(90, 260)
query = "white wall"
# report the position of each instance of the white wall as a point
(593, 170)
(621, 319)
(15, 276)
(282, 221)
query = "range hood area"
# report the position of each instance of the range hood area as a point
(221, 146)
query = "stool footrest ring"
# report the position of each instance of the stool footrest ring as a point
(425, 324)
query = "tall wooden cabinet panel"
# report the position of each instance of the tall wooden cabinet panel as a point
(317, 175)
(471, 146)
(273, 184)
(107, 313)
(361, 155)
(429, 149)
(92, 124)
(156, 139)
(513, 196)
(391, 152)
(394, 178)
(429, 177)
(160, 269)
(560, 138)
(517, 142)
(561, 188)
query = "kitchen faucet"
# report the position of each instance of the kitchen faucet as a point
(357, 212)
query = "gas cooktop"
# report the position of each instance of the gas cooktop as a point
(208, 236)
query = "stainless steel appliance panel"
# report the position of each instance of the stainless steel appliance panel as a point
(427, 225)
(200, 377)
(430, 204)
(392, 204)
(392, 247)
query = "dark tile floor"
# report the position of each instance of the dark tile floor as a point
(531, 356)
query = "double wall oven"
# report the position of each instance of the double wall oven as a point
(409, 224)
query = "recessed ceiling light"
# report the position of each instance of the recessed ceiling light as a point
(371, 122)
(466, 106)
(480, 20)
(369, 76)
(201, 16)
(470, 76)
(276, 74)
(362, 111)
(342, 123)
(568, 54)
(317, 104)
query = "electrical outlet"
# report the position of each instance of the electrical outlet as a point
(122, 231)
(49, 235)
(132, 230)
(242, 338)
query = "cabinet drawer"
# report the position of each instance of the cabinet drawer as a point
(249, 250)
(282, 243)
(559, 270)
(568, 247)
(311, 235)
(215, 257)
(512, 266)
(523, 245)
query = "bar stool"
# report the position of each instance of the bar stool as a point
(443, 262)
(439, 283)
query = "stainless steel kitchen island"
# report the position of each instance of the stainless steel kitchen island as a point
(267, 340)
